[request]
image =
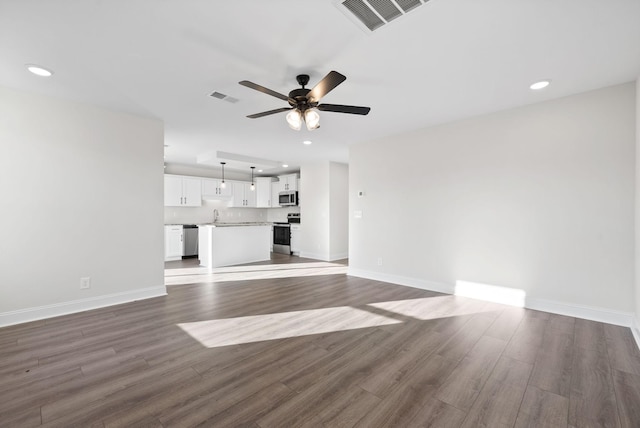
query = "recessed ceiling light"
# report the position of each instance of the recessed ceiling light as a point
(38, 70)
(306, 142)
(259, 170)
(540, 85)
(284, 165)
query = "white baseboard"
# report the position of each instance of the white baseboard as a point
(324, 257)
(608, 316)
(338, 256)
(635, 329)
(81, 305)
(604, 315)
(439, 287)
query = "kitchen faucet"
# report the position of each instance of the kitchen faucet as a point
(215, 215)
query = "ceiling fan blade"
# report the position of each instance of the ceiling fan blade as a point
(264, 90)
(327, 84)
(338, 108)
(267, 113)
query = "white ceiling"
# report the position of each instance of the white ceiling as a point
(445, 60)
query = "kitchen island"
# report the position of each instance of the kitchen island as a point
(228, 244)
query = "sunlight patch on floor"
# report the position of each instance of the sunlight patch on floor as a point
(492, 293)
(255, 328)
(252, 272)
(429, 308)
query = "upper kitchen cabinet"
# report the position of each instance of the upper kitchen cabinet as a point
(288, 183)
(275, 193)
(182, 191)
(243, 196)
(264, 197)
(212, 189)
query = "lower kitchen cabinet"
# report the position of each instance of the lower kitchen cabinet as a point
(173, 237)
(295, 239)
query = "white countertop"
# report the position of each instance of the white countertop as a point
(235, 224)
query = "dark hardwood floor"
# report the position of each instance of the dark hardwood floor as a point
(288, 344)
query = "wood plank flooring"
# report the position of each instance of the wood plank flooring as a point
(301, 344)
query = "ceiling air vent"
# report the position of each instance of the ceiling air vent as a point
(373, 14)
(222, 96)
(218, 95)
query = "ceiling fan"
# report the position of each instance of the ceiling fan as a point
(304, 102)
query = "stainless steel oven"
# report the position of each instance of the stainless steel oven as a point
(282, 238)
(282, 234)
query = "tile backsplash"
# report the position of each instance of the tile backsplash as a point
(204, 214)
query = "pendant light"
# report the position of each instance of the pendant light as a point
(253, 186)
(223, 184)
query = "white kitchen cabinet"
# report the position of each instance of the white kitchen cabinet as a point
(173, 237)
(182, 191)
(263, 192)
(243, 196)
(288, 183)
(275, 194)
(212, 189)
(295, 239)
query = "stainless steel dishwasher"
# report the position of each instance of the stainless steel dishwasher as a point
(190, 241)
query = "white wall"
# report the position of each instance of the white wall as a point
(324, 211)
(538, 198)
(82, 196)
(314, 211)
(339, 210)
(636, 328)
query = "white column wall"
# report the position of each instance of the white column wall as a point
(324, 205)
(339, 210)
(82, 196)
(315, 211)
(636, 326)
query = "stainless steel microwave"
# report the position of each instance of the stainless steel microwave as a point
(288, 199)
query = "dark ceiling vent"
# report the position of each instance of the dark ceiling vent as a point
(373, 14)
(218, 95)
(222, 96)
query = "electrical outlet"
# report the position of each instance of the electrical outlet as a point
(85, 282)
(379, 261)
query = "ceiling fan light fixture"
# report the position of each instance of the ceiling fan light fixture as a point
(294, 119)
(312, 119)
